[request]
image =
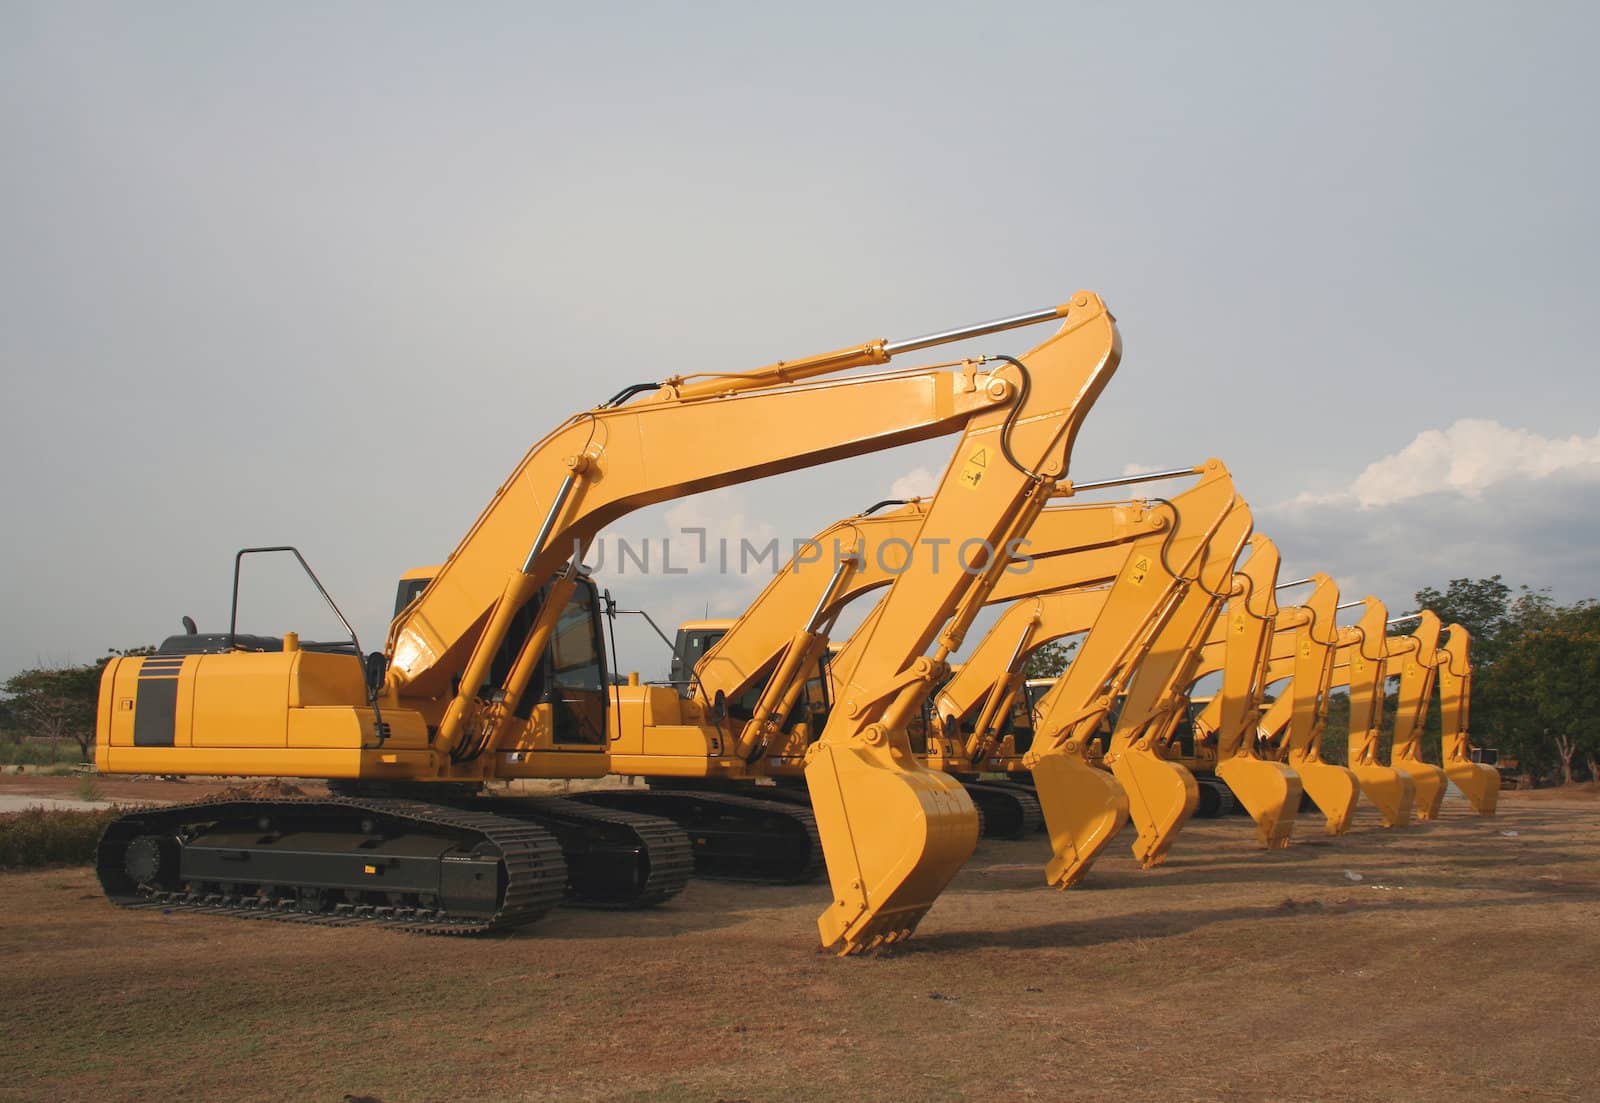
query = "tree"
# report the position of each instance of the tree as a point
(57, 703)
(1486, 608)
(1050, 660)
(1543, 690)
(1336, 730)
(1498, 618)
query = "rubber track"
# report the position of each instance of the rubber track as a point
(1024, 781)
(536, 873)
(1226, 801)
(670, 853)
(1029, 813)
(815, 863)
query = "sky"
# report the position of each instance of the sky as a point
(320, 274)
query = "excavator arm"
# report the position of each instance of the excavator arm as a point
(989, 678)
(893, 832)
(1418, 667)
(1480, 783)
(1239, 648)
(1163, 794)
(1303, 646)
(1360, 662)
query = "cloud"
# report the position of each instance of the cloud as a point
(1467, 459)
(920, 482)
(1139, 469)
(1534, 524)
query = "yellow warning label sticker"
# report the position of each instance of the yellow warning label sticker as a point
(1238, 623)
(1138, 569)
(972, 470)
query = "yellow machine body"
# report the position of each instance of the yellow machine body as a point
(285, 712)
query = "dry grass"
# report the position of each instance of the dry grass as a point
(1461, 966)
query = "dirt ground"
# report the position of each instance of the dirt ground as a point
(1463, 964)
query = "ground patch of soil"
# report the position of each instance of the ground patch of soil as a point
(1581, 790)
(267, 788)
(1452, 961)
(142, 788)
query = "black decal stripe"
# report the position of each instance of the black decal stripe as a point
(155, 712)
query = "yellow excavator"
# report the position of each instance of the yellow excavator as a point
(495, 670)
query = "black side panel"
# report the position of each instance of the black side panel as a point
(155, 712)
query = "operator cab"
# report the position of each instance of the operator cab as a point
(695, 638)
(571, 676)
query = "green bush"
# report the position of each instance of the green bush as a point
(38, 837)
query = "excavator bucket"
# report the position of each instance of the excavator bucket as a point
(1333, 789)
(1393, 792)
(1084, 809)
(1269, 791)
(893, 833)
(1162, 796)
(1480, 783)
(1430, 783)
